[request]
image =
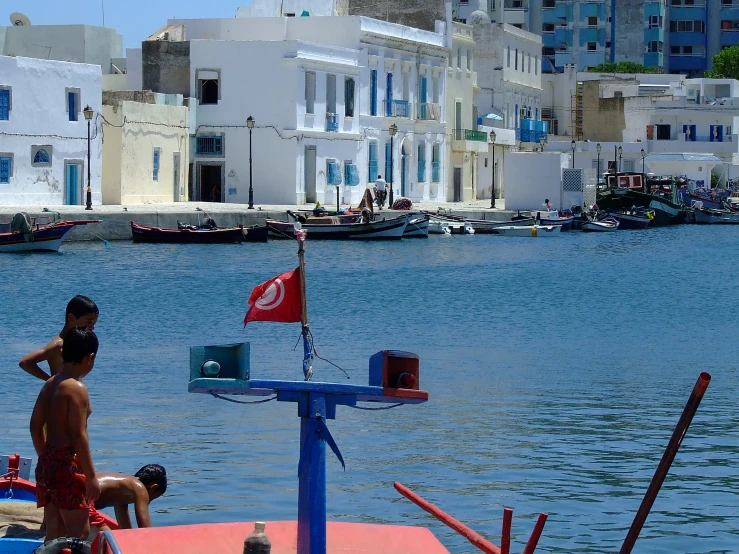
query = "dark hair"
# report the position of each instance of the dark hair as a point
(153, 474)
(80, 306)
(78, 343)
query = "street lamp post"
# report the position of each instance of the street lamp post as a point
(250, 125)
(573, 144)
(597, 164)
(643, 154)
(620, 158)
(393, 130)
(492, 190)
(542, 140)
(88, 116)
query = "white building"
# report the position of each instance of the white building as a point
(43, 131)
(323, 91)
(146, 148)
(511, 12)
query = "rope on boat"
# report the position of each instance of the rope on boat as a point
(376, 409)
(219, 397)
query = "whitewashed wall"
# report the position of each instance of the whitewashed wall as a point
(39, 117)
(532, 177)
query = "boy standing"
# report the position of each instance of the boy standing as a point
(65, 475)
(81, 312)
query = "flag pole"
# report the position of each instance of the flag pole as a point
(300, 235)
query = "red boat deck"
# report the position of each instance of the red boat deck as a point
(228, 538)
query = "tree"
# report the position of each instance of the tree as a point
(725, 64)
(623, 67)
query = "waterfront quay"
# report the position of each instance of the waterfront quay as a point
(115, 221)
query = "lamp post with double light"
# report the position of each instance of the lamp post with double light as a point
(88, 116)
(393, 131)
(573, 144)
(492, 190)
(620, 158)
(250, 124)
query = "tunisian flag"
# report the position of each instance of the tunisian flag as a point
(278, 299)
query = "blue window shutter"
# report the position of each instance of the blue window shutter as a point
(373, 92)
(387, 162)
(422, 91)
(156, 165)
(5, 170)
(389, 95)
(4, 105)
(72, 105)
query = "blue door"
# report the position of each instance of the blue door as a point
(373, 92)
(73, 185)
(403, 171)
(389, 95)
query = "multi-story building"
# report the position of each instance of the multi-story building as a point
(44, 132)
(511, 12)
(337, 86)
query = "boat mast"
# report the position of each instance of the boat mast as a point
(300, 235)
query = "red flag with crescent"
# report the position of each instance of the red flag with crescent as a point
(276, 300)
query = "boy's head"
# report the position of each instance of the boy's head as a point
(80, 346)
(82, 312)
(154, 478)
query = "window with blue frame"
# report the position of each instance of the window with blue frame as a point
(4, 104)
(209, 145)
(41, 157)
(435, 163)
(334, 173)
(372, 167)
(422, 162)
(73, 105)
(351, 174)
(373, 92)
(155, 172)
(6, 169)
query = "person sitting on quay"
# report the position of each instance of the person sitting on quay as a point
(119, 491)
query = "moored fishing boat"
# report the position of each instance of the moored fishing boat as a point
(606, 225)
(384, 229)
(553, 217)
(418, 226)
(479, 226)
(32, 236)
(528, 230)
(196, 235)
(437, 227)
(635, 218)
(666, 212)
(708, 215)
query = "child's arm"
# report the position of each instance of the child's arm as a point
(123, 517)
(38, 420)
(79, 405)
(30, 362)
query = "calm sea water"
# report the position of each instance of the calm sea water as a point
(557, 370)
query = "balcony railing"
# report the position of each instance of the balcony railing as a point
(332, 122)
(421, 171)
(435, 171)
(373, 169)
(468, 134)
(709, 138)
(429, 112)
(396, 108)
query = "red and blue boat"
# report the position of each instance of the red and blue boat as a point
(37, 237)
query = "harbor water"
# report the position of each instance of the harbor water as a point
(557, 370)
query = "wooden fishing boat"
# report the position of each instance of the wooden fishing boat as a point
(479, 226)
(606, 225)
(197, 235)
(437, 227)
(638, 218)
(385, 229)
(418, 226)
(40, 237)
(709, 215)
(666, 212)
(554, 218)
(528, 230)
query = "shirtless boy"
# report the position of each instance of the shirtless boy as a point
(65, 475)
(119, 490)
(81, 312)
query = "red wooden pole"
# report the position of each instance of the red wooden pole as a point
(535, 534)
(477, 540)
(667, 458)
(505, 539)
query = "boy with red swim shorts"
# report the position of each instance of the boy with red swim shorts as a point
(65, 475)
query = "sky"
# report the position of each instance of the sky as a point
(134, 19)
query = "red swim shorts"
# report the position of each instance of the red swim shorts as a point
(59, 479)
(96, 518)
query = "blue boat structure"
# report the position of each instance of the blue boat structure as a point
(24, 234)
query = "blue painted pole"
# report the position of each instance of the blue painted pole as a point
(312, 487)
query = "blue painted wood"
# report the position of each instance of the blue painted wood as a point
(73, 184)
(373, 92)
(5, 104)
(312, 487)
(72, 105)
(389, 95)
(5, 170)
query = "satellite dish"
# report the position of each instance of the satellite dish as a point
(19, 20)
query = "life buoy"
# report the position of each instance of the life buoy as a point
(77, 546)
